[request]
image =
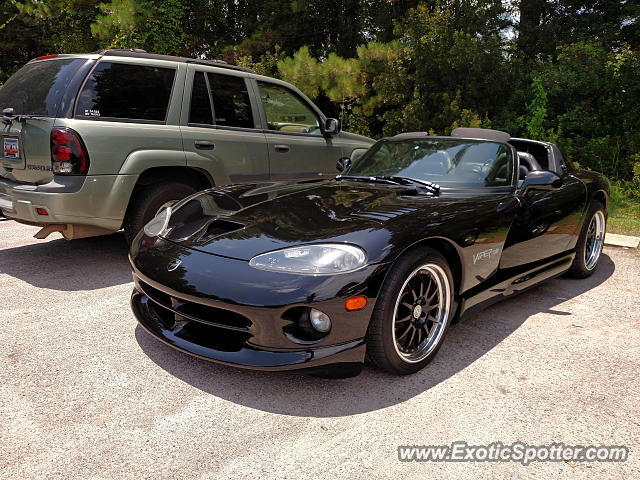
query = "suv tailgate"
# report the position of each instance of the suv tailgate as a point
(29, 140)
(44, 90)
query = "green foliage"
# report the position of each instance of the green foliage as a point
(624, 207)
(386, 85)
(533, 121)
(155, 26)
(266, 64)
(592, 97)
(567, 71)
(341, 80)
(65, 22)
(302, 70)
(454, 56)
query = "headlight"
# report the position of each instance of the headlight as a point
(158, 224)
(316, 259)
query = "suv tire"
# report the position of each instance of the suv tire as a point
(146, 203)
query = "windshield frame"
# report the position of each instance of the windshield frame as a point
(444, 184)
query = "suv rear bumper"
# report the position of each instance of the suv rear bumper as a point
(99, 200)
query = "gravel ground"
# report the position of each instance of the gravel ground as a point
(86, 393)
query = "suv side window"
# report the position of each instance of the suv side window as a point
(200, 111)
(124, 91)
(221, 100)
(286, 112)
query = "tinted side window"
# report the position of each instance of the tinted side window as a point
(200, 111)
(231, 104)
(118, 90)
(286, 112)
(38, 87)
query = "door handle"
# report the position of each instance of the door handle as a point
(204, 145)
(281, 148)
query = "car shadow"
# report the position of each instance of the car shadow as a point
(82, 264)
(372, 389)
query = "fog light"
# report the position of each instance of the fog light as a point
(320, 321)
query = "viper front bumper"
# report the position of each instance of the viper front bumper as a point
(223, 310)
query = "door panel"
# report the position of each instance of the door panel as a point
(482, 229)
(294, 157)
(297, 148)
(218, 120)
(547, 223)
(230, 156)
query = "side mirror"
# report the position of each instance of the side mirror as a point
(540, 180)
(331, 126)
(7, 115)
(343, 164)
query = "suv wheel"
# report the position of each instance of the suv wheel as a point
(148, 202)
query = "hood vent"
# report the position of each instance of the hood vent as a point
(219, 227)
(383, 213)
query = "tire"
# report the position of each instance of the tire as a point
(590, 242)
(148, 202)
(402, 317)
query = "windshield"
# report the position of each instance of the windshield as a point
(37, 88)
(439, 160)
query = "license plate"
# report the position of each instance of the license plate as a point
(11, 148)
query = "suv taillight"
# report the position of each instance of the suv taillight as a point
(68, 153)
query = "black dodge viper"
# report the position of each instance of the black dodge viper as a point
(374, 263)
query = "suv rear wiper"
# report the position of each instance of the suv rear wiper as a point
(8, 117)
(432, 187)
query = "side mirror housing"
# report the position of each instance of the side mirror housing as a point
(540, 180)
(343, 164)
(7, 115)
(331, 126)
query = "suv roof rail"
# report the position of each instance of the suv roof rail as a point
(137, 50)
(139, 53)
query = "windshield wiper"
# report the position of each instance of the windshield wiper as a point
(372, 179)
(393, 180)
(432, 187)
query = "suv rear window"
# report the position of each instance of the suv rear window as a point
(231, 103)
(38, 88)
(123, 91)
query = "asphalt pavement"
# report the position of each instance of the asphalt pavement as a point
(86, 393)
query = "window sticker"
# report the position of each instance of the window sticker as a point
(11, 148)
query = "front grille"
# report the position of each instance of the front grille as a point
(212, 337)
(197, 333)
(180, 310)
(156, 295)
(212, 315)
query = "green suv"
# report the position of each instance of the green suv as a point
(98, 142)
